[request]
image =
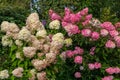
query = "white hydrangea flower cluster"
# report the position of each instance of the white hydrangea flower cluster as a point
(4, 74)
(54, 24)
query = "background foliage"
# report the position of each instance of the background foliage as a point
(14, 9)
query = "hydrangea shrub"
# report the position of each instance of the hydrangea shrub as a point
(69, 47)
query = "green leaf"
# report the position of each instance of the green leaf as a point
(12, 78)
(26, 64)
(116, 79)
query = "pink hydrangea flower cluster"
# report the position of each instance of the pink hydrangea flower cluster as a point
(114, 42)
(53, 15)
(117, 41)
(87, 19)
(108, 29)
(113, 70)
(70, 19)
(113, 33)
(69, 53)
(77, 74)
(110, 44)
(78, 59)
(117, 25)
(71, 28)
(104, 32)
(108, 78)
(95, 36)
(76, 54)
(88, 33)
(92, 50)
(108, 26)
(95, 65)
(77, 51)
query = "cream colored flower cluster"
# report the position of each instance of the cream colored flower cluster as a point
(35, 43)
(68, 41)
(54, 24)
(9, 27)
(4, 74)
(11, 30)
(49, 49)
(6, 41)
(24, 34)
(33, 23)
